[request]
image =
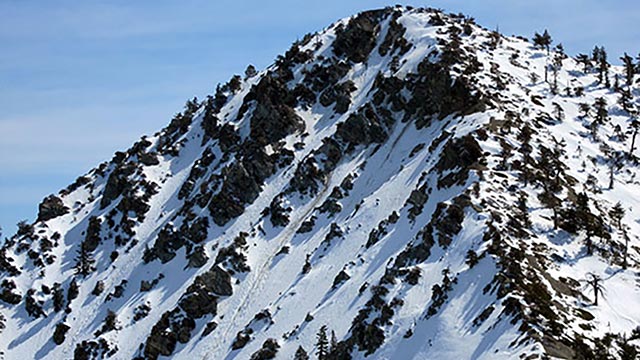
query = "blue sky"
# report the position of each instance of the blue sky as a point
(82, 79)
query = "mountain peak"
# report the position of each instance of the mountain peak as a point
(402, 182)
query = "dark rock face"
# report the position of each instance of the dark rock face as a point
(362, 128)
(320, 77)
(89, 350)
(117, 183)
(268, 351)
(198, 258)
(460, 153)
(199, 303)
(51, 207)
(435, 92)
(273, 118)
(216, 280)
(358, 38)
(200, 299)
(394, 39)
(172, 328)
(340, 95)
(228, 138)
(165, 246)
(92, 237)
(239, 189)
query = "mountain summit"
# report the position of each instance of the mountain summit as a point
(404, 184)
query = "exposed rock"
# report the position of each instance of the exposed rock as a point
(60, 333)
(273, 117)
(50, 208)
(239, 189)
(358, 38)
(198, 258)
(362, 128)
(117, 183)
(172, 328)
(268, 351)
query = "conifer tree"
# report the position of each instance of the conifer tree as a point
(594, 281)
(585, 61)
(322, 343)
(626, 99)
(334, 341)
(635, 126)
(542, 41)
(301, 354)
(599, 57)
(617, 213)
(629, 68)
(84, 261)
(601, 110)
(585, 110)
(250, 72)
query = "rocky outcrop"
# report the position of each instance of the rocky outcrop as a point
(357, 39)
(50, 208)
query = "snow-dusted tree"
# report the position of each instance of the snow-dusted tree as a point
(635, 127)
(558, 112)
(542, 41)
(585, 110)
(599, 57)
(585, 61)
(629, 68)
(334, 341)
(556, 66)
(250, 71)
(301, 354)
(626, 99)
(614, 161)
(617, 213)
(602, 112)
(322, 343)
(594, 282)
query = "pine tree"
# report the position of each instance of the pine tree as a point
(301, 354)
(73, 291)
(585, 110)
(626, 99)
(626, 248)
(601, 110)
(583, 217)
(635, 126)
(558, 112)
(542, 41)
(595, 282)
(629, 68)
(524, 136)
(599, 57)
(322, 344)
(556, 66)
(614, 160)
(84, 261)
(585, 61)
(617, 214)
(334, 341)
(250, 72)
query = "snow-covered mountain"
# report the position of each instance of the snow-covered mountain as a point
(405, 182)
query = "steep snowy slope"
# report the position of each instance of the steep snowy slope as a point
(404, 181)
